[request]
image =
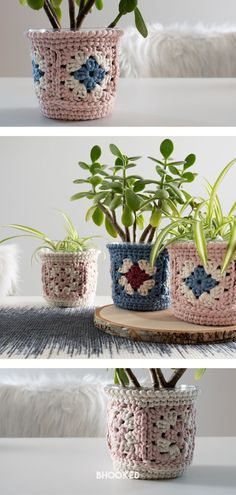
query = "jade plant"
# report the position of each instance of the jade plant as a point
(127, 378)
(208, 223)
(79, 10)
(128, 202)
(72, 243)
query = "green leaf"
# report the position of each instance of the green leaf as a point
(132, 200)
(95, 180)
(79, 196)
(120, 376)
(199, 373)
(126, 6)
(161, 194)
(99, 4)
(35, 4)
(140, 23)
(177, 193)
(110, 229)
(189, 161)
(140, 221)
(23, 2)
(95, 153)
(29, 230)
(156, 217)
(115, 203)
(189, 176)
(90, 213)
(84, 165)
(98, 217)
(200, 241)
(127, 217)
(174, 170)
(167, 148)
(231, 249)
(116, 152)
(215, 188)
(139, 186)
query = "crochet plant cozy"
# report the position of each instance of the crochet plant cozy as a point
(151, 431)
(202, 253)
(76, 71)
(69, 267)
(127, 203)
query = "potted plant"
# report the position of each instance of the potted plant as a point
(151, 430)
(203, 263)
(128, 203)
(69, 266)
(76, 70)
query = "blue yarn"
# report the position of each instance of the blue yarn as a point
(199, 281)
(158, 297)
(90, 74)
(37, 72)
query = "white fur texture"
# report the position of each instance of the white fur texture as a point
(8, 270)
(179, 51)
(62, 407)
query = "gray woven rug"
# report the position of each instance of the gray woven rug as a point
(44, 332)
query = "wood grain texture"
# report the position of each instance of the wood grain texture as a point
(158, 326)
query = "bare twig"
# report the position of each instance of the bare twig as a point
(176, 377)
(127, 234)
(154, 377)
(72, 13)
(134, 231)
(151, 234)
(51, 14)
(83, 12)
(132, 377)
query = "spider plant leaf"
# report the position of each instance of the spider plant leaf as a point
(199, 373)
(29, 230)
(161, 241)
(200, 241)
(232, 210)
(215, 188)
(231, 249)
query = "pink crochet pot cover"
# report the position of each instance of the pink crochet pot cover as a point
(151, 432)
(200, 294)
(70, 279)
(75, 72)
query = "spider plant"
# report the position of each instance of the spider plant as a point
(126, 201)
(72, 243)
(126, 377)
(207, 223)
(79, 10)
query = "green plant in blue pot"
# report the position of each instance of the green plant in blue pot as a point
(132, 208)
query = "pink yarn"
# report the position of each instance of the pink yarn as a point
(70, 279)
(151, 431)
(56, 52)
(216, 308)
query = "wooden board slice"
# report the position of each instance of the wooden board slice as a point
(158, 326)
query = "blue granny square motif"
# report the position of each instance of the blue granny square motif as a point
(37, 72)
(200, 281)
(90, 74)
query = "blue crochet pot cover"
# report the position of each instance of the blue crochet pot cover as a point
(135, 284)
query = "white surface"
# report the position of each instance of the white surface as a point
(69, 467)
(140, 102)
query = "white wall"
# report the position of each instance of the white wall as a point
(36, 176)
(14, 20)
(215, 406)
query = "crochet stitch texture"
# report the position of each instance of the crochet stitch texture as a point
(150, 431)
(135, 284)
(70, 279)
(80, 71)
(202, 295)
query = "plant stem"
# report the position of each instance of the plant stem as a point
(83, 12)
(127, 234)
(154, 378)
(132, 377)
(82, 4)
(161, 377)
(116, 20)
(145, 233)
(113, 221)
(176, 377)
(51, 14)
(72, 13)
(134, 229)
(151, 235)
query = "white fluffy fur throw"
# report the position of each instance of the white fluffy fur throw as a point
(62, 407)
(8, 270)
(179, 51)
